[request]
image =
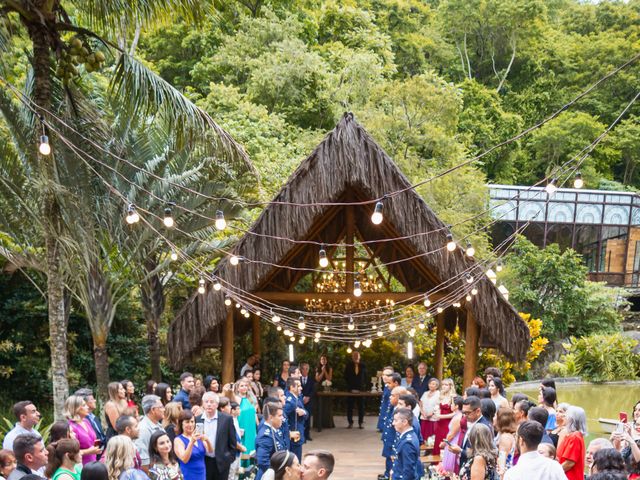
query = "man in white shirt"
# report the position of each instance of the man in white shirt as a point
(531, 465)
(28, 417)
(151, 422)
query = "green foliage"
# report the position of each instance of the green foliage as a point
(599, 358)
(552, 286)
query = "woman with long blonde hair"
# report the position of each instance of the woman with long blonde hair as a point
(76, 412)
(445, 413)
(171, 422)
(115, 407)
(482, 463)
(119, 459)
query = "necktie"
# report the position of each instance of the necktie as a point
(357, 368)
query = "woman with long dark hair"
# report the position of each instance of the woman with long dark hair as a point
(284, 466)
(163, 390)
(164, 463)
(130, 391)
(64, 460)
(496, 389)
(324, 371)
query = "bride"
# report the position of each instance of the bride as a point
(284, 466)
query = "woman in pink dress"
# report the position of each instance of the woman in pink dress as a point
(450, 461)
(447, 392)
(76, 411)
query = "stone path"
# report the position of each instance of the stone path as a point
(357, 452)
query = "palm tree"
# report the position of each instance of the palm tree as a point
(135, 89)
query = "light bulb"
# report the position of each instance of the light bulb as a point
(356, 344)
(247, 315)
(357, 290)
(456, 304)
(227, 302)
(351, 325)
(428, 315)
(301, 324)
(301, 341)
(237, 305)
(551, 187)
(469, 278)
(377, 218)
(421, 326)
(578, 182)
(451, 245)
(468, 298)
(221, 223)
(326, 329)
(324, 261)
(168, 218)
(279, 328)
(132, 214)
(474, 291)
(316, 340)
(349, 350)
(275, 318)
(234, 260)
(258, 313)
(44, 148)
(427, 302)
(217, 286)
(499, 266)
(174, 255)
(439, 310)
(392, 327)
(374, 327)
(317, 335)
(293, 339)
(380, 333)
(470, 250)
(243, 311)
(201, 288)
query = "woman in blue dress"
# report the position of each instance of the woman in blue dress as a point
(190, 447)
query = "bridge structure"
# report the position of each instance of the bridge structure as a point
(602, 225)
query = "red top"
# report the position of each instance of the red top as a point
(572, 448)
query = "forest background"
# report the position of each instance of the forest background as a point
(434, 82)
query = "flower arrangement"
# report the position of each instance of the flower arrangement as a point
(326, 384)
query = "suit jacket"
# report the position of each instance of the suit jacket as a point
(295, 421)
(407, 465)
(467, 445)
(268, 441)
(420, 386)
(224, 445)
(355, 382)
(308, 388)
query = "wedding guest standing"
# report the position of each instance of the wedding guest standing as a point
(421, 381)
(64, 460)
(445, 413)
(384, 402)
(308, 391)
(190, 447)
(164, 463)
(247, 419)
(430, 406)
(76, 412)
(28, 417)
(115, 407)
(406, 465)
(324, 371)
(409, 375)
(356, 377)
(571, 449)
(282, 377)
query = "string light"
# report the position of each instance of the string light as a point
(316, 339)
(326, 329)
(427, 302)
(356, 344)
(324, 261)
(499, 265)
(301, 324)
(234, 260)
(201, 288)
(392, 327)
(468, 298)
(227, 301)
(474, 291)
(578, 182)
(456, 304)
(168, 216)
(174, 255)
(357, 290)
(237, 305)
(221, 223)
(376, 217)
(470, 250)
(247, 314)
(274, 317)
(279, 328)
(421, 326)
(293, 339)
(317, 335)
(351, 326)
(367, 343)
(551, 187)
(469, 278)
(374, 327)
(243, 311)
(451, 245)
(439, 310)
(301, 341)
(217, 286)
(132, 214)
(380, 333)
(349, 350)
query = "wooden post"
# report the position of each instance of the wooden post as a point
(228, 371)
(255, 333)
(350, 250)
(470, 350)
(440, 345)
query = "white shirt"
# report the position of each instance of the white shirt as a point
(211, 430)
(533, 466)
(7, 444)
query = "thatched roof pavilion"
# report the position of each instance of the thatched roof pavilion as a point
(347, 166)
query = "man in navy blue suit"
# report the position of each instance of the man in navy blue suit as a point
(308, 391)
(296, 416)
(420, 382)
(406, 464)
(472, 410)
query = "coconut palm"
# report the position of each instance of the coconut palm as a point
(135, 90)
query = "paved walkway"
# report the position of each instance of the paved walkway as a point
(357, 452)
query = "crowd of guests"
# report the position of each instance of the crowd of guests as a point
(205, 431)
(481, 435)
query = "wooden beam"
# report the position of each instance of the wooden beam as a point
(470, 350)
(439, 345)
(255, 334)
(299, 297)
(228, 370)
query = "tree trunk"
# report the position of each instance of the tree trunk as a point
(153, 303)
(101, 359)
(52, 225)
(100, 310)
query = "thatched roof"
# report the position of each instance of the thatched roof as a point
(348, 164)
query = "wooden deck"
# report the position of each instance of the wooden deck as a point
(357, 452)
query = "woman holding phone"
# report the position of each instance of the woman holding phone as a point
(190, 446)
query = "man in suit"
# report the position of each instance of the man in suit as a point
(269, 438)
(471, 410)
(218, 426)
(308, 391)
(355, 376)
(296, 416)
(406, 465)
(420, 382)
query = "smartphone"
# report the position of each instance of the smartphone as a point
(200, 428)
(619, 427)
(97, 442)
(623, 417)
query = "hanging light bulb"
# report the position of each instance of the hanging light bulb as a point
(258, 313)
(439, 310)
(356, 344)
(427, 302)
(367, 343)
(349, 350)
(428, 314)
(469, 278)
(376, 217)
(234, 260)
(274, 317)
(238, 305)
(243, 311)
(499, 265)
(132, 214)
(357, 290)
(392, 327)
(217, 286)
(279, 328)
(326, 329)
(317, 335)
(316, 340)
(374, 327)
(474, 291)
(293, 339)
(421, 326)
(324, 261)
(468, 298)
(578, 182)
(351, 325)
(451, 245)
(44, 148)
(247, 315)
(379, 333)
(168, 216)
(221, 223)
(201, 288)
(470, 250)
(456, 304)
(174, 255)
(227, 301)
(551, 187)
(301, 324)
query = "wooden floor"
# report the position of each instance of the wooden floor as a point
(357, 452)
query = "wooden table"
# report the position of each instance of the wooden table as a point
(324, 394)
